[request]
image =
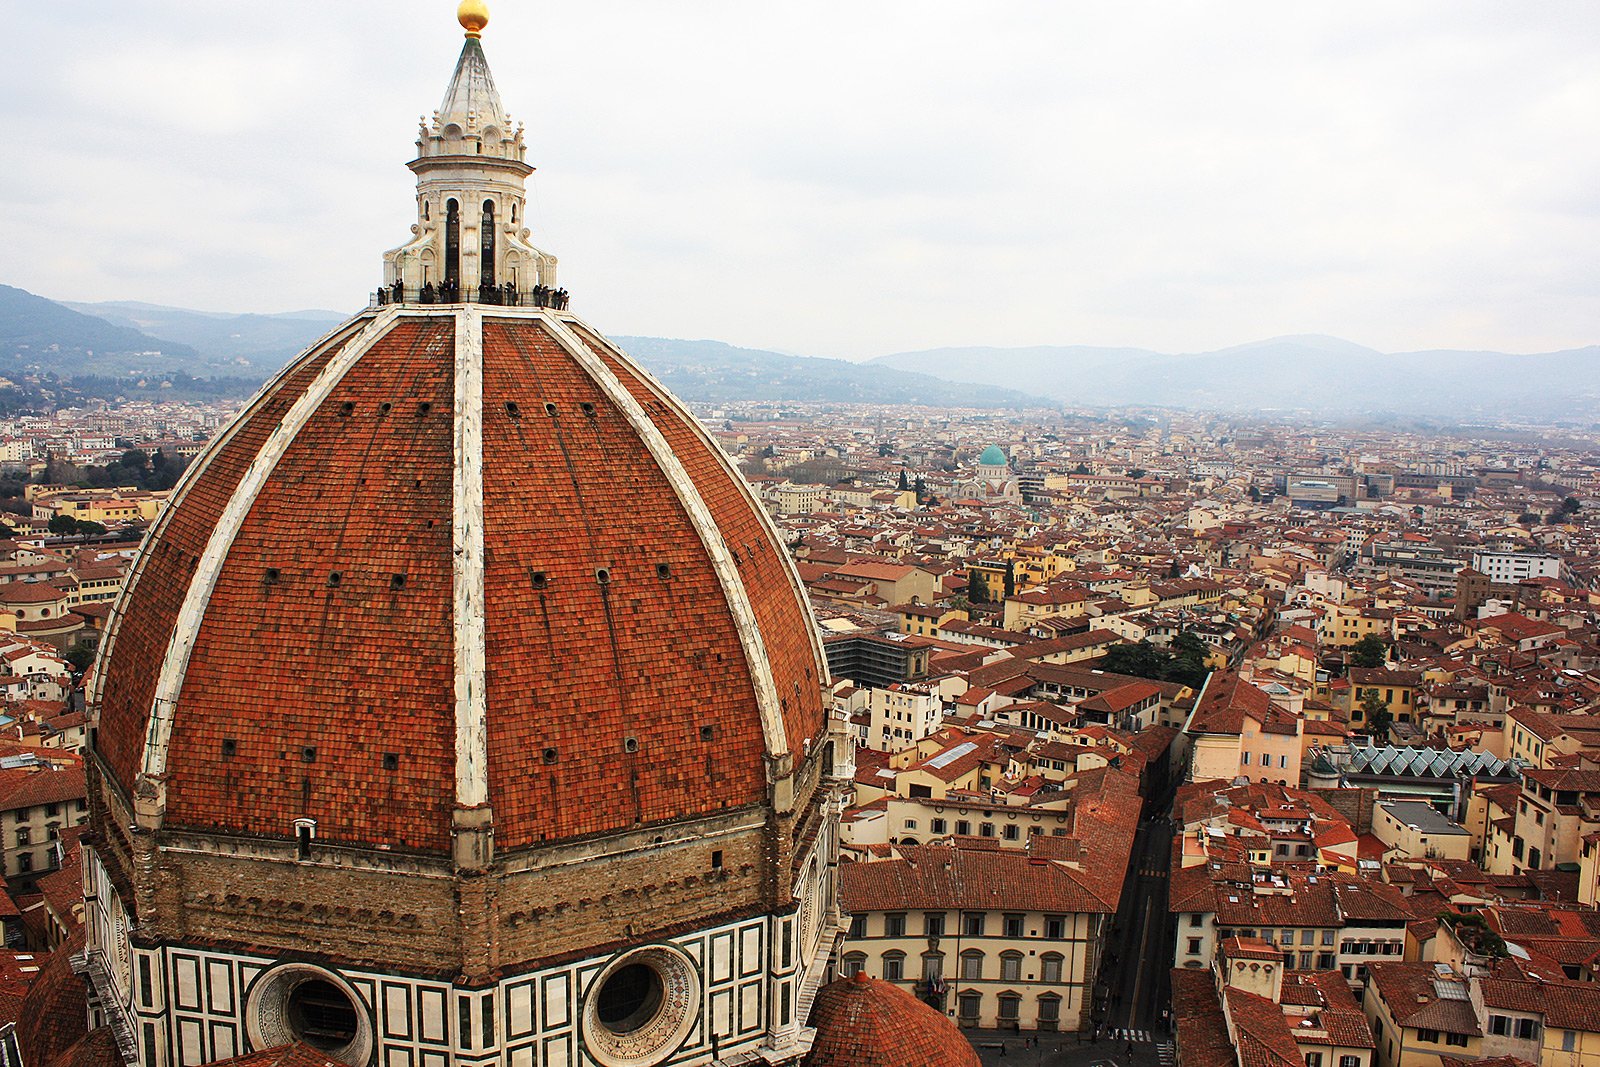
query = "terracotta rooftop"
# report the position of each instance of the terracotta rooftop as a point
(296, 1055)
(867, 1022)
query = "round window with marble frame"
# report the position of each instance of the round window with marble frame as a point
(280, 998)
(640, 1007)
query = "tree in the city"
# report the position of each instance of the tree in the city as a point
(1377, 715)
(1370, 651)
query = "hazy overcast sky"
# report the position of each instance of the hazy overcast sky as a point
(847, 178)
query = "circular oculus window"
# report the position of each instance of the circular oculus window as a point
(640, 1008)
(298, 1002)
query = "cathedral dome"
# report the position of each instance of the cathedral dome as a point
(452, 559)
(992, 457)
(463, 705)
(865, 1022)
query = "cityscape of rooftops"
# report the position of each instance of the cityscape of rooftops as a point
(889, 536)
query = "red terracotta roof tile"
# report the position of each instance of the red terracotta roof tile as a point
(866, 1022)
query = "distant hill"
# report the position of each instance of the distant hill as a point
(132, 344)
(42, 334)
(146, 345)
(711, 371)
(243, 345)
(1309, 372)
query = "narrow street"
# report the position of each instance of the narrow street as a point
(1134, 988)
(1134, 991)
(1135, 979)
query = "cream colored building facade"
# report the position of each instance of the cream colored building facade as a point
(984, 963)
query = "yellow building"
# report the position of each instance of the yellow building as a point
(1418, 1014)
(1418, 831)
(1025, 609)
(1554, 818)
(924, 620)
(1421, 1012)
(1346, 624)
(105, 506)
(1237, 730)
(1395, 689)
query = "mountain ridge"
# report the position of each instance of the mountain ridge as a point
(1302, 371)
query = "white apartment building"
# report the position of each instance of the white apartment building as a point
(1516, 566)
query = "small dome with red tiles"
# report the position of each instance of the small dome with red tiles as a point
(866, 1022)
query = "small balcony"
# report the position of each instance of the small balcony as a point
(540, 296)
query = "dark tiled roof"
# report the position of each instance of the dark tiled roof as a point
(945, 877)
(295, 1055)
(1410, 991)
(55, 1012)
(1201, 1031)
(1260, 1032)
(865, 1022)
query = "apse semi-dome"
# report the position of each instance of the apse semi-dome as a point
(463, 706)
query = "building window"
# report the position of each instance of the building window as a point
(894, 966)
(25, 861)
(1195, 920)
(1050, 967)
(1055, 927)
(972, 966)
(1569, 1040)
(1528, 1029)
(972, 924)
(1013, 925)
(853, 965)
(911, 824)
(937, 826)
(1194, 946)
(963, 828)
(23, 836)
(1499, 1025)
(986, 830)
(1458, 1040)
(1427, 1037)
(932, 966)
(968, 1005)
(933, 924)
(894, 924)
(1049, 1012)
(1349, 1061)
(1011, 832)
(1010, 1007)
(1313, 1059)
(858, 926)
(1011, 967)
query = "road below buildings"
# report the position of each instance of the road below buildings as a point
(1134, 987)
